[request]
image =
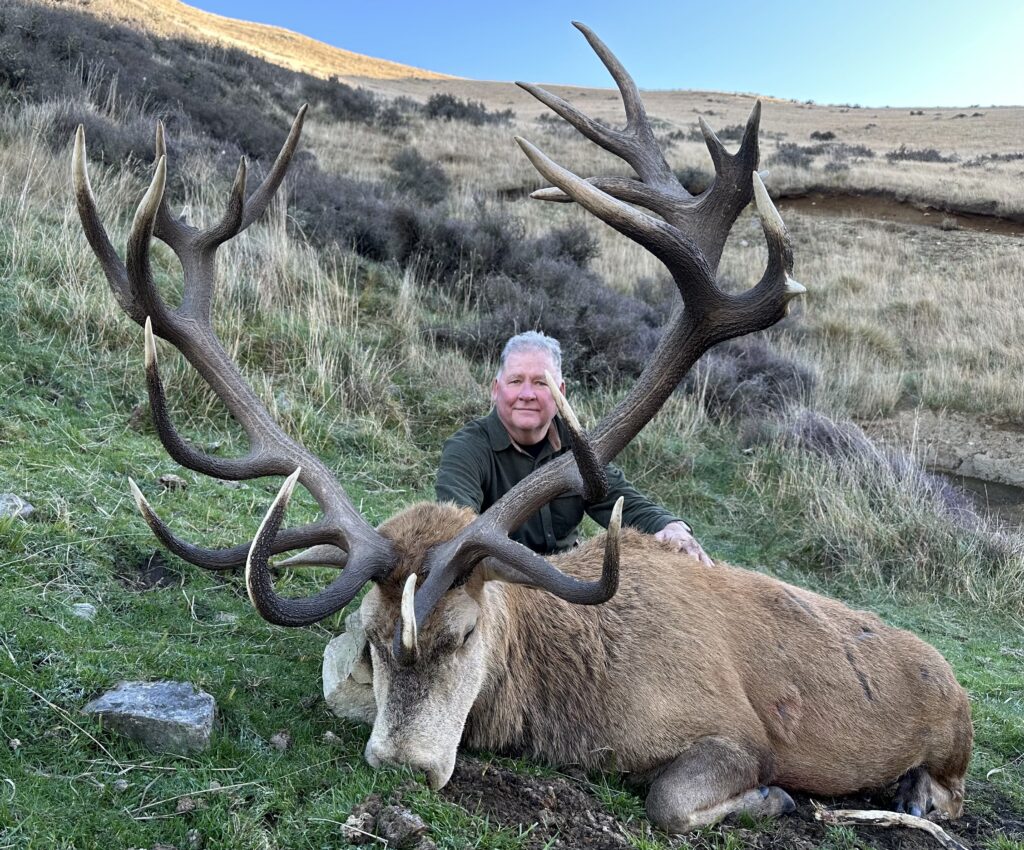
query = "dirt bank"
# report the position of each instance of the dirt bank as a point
(883, 206)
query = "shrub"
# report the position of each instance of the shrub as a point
(746, 378)
(905, 154)
(732, 133)
(342, 102)
(107, 140)
(450, 108)
(823, 135)
(694, 180)
(419, 177)
(792, 155)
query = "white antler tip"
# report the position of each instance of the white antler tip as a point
(409, 636)
(770, 217)
(150, 343)
(615, 523)
(561, 402)
(794, 288)
(140, 500)
(289, 485)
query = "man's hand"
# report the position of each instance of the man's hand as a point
(677, 534)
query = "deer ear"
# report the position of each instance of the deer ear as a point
(494, 570)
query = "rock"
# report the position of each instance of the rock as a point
(195, 839)
(121, 785)
(170, 481)
(172, 717)
(15, 506)
(347, 675)
(226, 617)
(83, 610)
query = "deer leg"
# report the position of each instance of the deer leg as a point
(918, 793)
(714, 778)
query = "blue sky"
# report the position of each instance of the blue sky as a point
(869, 52)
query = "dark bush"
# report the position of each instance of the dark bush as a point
(342, 102)
(417, 176)
(694, 180)
(792, 155)
(107, 141)
(745, 378)
(823, 135)
(905, 154)
(732, 133)
(450, 108)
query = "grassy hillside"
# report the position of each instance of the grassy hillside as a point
(366, 310)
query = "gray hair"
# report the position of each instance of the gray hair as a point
(533, 341)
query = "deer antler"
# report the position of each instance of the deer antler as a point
(353, 543)
(688, 238)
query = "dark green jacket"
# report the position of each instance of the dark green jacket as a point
(481, 463)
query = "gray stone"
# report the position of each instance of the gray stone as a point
(84, 610)
(347, 677)
(15, 506)
(170, 481)
(171, 717)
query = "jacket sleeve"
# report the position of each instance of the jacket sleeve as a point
(463, 471)
(638, 511)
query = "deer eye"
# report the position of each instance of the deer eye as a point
(466, 636)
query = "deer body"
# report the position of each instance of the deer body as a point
(812, 695)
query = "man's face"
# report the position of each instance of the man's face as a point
(522, 397)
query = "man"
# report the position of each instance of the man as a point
(485, 459)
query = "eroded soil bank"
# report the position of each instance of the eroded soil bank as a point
(886, 207)
(983, 455)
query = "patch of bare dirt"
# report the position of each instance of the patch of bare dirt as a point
(883, 206)
(148, 573)
(562, 812)
(984, 455)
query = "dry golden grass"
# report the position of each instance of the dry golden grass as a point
(487, 153)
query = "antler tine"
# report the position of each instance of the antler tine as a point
(113, 268)
(595, 479)
(174, 232)
(674, 248)
(640, 149)
(137, 258)
(231, 223)
(230, 557)
(259, 199)
(305, 611)
(252, 465)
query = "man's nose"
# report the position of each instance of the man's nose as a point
(528, 390)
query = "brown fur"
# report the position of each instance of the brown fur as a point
(815, 696)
